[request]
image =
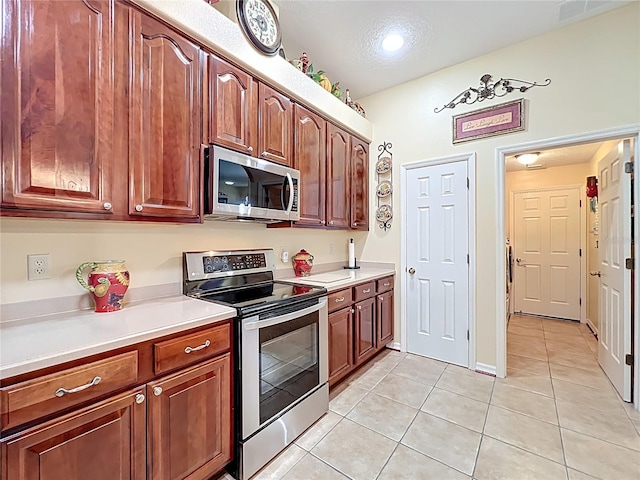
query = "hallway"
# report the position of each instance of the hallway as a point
(558, 360)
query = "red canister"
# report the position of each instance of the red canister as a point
(302, 263)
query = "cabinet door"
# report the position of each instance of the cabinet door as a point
(234, 106)
(340, 344)
(189, 421)
(338, 150)
(165, 129)
(274, 124)
(57, 101)
(365, 330)
(102, 442)
(310, 158)
(384, 314)
(359, 184)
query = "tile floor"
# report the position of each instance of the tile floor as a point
(407, 417)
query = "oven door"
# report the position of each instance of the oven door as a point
(284, 359)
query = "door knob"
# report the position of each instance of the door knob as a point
(518, 260)
(412, 271)
(595, 274)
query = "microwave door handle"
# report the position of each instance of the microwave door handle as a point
(290, 205)
(285, 318)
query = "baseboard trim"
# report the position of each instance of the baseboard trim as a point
(487, 369)
(394, 346)
(592, 327)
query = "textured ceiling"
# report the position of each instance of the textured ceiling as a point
(343, 37)
(558, 156)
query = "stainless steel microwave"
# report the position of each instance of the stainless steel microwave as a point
(240, 187)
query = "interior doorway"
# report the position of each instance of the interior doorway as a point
(589, 232)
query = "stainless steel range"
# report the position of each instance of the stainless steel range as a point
(281, 364)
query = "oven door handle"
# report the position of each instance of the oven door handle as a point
(285, 318)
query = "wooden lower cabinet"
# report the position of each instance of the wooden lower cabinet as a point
(361, 328)
(340, 344)
(365, 330)
(102, 442)
(189, 422)
(384, 318)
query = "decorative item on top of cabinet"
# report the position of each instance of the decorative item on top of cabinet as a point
(260, 24)
(384, 198)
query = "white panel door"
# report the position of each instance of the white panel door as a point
(546, 242)
(437, 269)
(614, 322)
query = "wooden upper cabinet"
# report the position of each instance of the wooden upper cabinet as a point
(275, 113)
(359, 184)
(233, 109)
(57, 101)
(338, 152)
(165, 121)
(189, 422)
(310, 159)
(103, 442)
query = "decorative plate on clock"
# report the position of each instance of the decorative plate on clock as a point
(260, 25)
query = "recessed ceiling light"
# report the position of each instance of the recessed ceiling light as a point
(229, 183)
(392, 42)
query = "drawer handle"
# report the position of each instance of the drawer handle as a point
(366, 291)
(195, 349)
(341, 299)
(63, 391)
(386, 284)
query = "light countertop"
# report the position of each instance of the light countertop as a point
(31, 344)
(337, 279)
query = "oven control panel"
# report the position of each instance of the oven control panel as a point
(226, 263)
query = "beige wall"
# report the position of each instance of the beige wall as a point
(153, 252)
(573, 58)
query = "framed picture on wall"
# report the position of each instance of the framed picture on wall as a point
(487, 122)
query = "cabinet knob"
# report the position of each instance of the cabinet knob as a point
(139, 398)
(322, 222)
(331, 222)
(249, 149)
(355, 224)
(359, 307)
(353, 311)
(138, 208)
(107, 206)
(264, 154)
(157, 391)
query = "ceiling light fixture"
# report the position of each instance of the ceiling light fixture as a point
(527, 158)
(392, 42)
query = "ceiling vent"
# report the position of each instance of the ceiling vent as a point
(535, 166)
(575, 8)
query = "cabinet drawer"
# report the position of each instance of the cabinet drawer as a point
(364, 291)
(33, 399)
(384, 284)
(339, 299)
(188, 349)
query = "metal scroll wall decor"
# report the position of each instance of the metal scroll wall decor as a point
(384, 190)
(488, 90)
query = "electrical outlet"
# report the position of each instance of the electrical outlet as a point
(284, 256)
(38, 267)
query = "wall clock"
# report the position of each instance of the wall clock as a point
(260, 24)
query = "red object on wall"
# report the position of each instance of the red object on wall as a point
(592, 187)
